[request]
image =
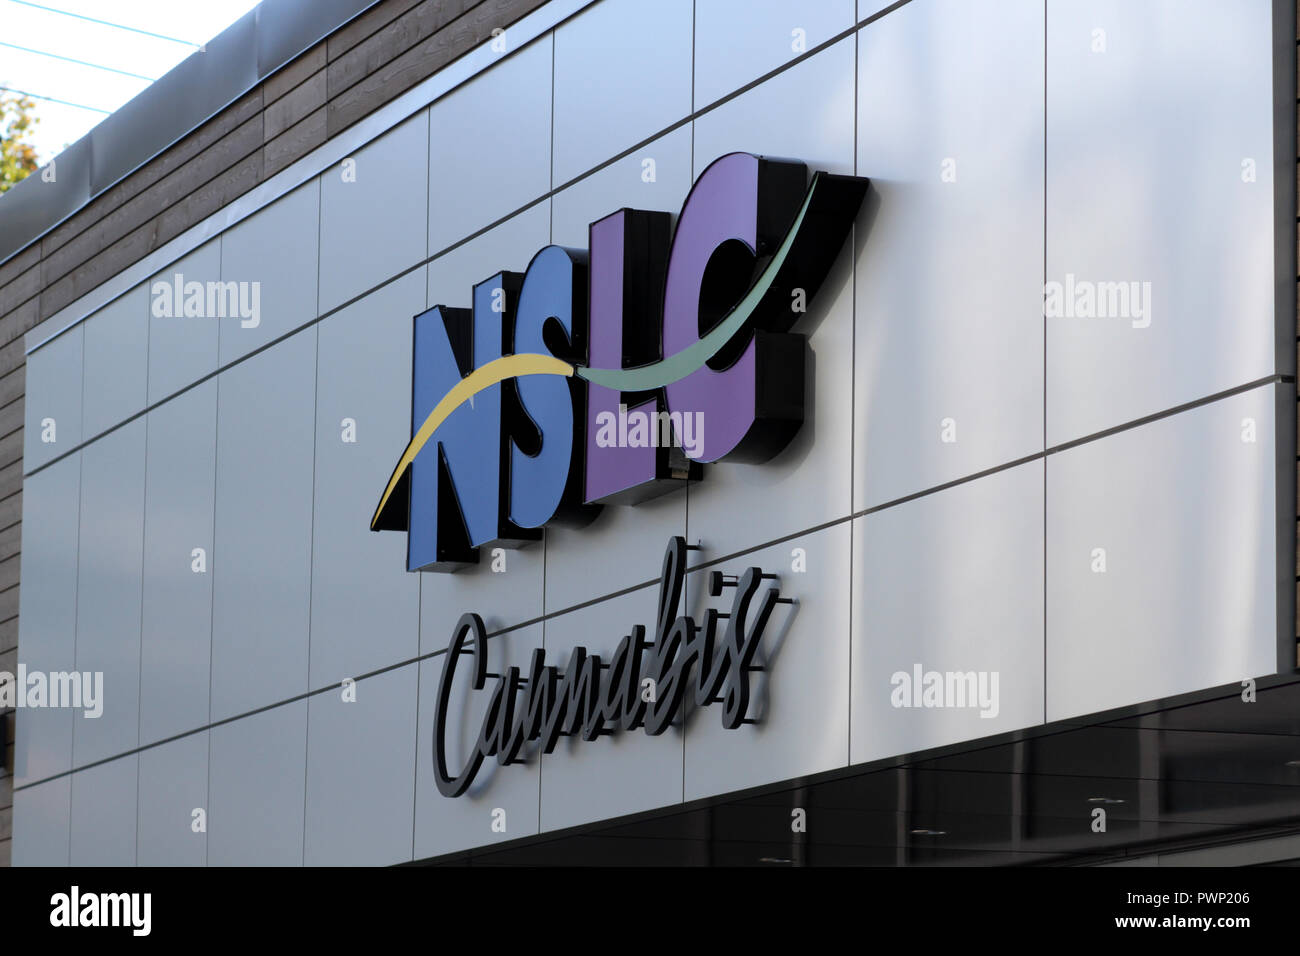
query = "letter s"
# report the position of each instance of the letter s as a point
(545, 460)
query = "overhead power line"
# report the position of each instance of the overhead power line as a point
(51, 99)
(106, 23)
(69, 59)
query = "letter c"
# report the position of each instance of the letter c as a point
(469, 625)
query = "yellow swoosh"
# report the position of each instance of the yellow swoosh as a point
(498, 370)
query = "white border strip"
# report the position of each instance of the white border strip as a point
(545, 18)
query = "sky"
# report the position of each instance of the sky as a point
(24, 24)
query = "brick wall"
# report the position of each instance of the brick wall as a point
(344, 78)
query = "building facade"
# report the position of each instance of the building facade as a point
(1016, 442)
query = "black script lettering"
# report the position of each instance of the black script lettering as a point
(740, 644)
(592, 697)
(469, 626)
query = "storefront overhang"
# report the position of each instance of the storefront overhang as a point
(1173, 780)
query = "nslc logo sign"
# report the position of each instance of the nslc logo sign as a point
(538, 403)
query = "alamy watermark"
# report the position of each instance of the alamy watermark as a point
(207, 300)
(73, 689)
(125, 910)
(1085, 299)
(641, 429)
(946, 689)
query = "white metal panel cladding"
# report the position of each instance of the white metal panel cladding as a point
(1160, 550)
(256, 786)
(934, 311)
(42, 818)
(182, 350)
(52, 405)
(116, 362)
(948, 375)
(173, 784)
(48, 614)
(490, 145)
(361, 754)
(359, 249)
(657, 177)
(261, 549)
(110, 555)
(737, 41)
(621, 548)
(256, 250)
(363, 400)
(176, 599)
(1181, 217)
(951, 584)
(104, 814)
(622, 73)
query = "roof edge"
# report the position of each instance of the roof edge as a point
(201, 86)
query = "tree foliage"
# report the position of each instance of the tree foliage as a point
(17, 155)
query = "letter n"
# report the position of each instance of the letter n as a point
(458, 500)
